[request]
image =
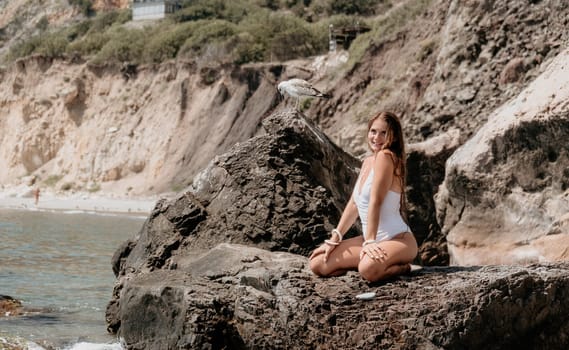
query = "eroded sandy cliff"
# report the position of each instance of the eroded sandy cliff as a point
(138, 132)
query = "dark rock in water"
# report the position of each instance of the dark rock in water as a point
(240, 297)
(9, 306)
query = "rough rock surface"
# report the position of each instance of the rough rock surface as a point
(9, 306)
(180, 284)
(283, 190)
(446, 70)
(239, 297)
(505, 198)
(85, 127)
(425, 172)
(447, 67)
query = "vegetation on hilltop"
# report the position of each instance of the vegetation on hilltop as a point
(214, 31)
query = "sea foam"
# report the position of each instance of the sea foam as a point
(95, 346)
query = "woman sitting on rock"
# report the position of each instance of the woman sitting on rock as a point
(387, 246)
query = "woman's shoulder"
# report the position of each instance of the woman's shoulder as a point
(385, 155)
(387, 152)
(368, 158)
(368, 161)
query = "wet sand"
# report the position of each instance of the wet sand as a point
(81, 202)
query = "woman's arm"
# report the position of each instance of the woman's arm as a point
(383, 168)
(350, 213)
(349, 216)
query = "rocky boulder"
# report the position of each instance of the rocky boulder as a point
(221, 266)
(9, 306)
(505, 198)
(425, 172)
(241, 297)
(283, 190)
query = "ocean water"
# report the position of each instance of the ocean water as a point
(59, 265)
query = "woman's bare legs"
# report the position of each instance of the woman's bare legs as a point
(399, 253)
(343, 258)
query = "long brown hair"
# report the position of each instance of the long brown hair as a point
(395, 143)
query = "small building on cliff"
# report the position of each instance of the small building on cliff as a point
(345, 35)
(153, 9)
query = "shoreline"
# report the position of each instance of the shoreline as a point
(79, 202)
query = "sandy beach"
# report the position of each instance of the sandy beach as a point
(23, 198)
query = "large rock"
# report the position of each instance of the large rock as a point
(505, 198)
(283, 190)
(183, 282)
(240, 297)
(425, 172)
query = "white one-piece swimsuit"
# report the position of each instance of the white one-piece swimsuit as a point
(390, 221)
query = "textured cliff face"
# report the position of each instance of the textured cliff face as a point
(110, 4)
(505, 197)
(19, 18)
(142, 131)
(446, 69)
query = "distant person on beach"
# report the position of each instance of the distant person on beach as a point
(37, 195)
(387, 246)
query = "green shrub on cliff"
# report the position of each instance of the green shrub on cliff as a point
(166, 44)
(83, 38)
(238, 31)
(93, 34)
(89, 45)
(105, 20)
(283, 36)
(352, 7)
(232, 11)
(124, 45)
(24, 48)
(247, 49)
(52, 45)
(46, 44)
(206, 33)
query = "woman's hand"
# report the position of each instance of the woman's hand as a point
(374, 251)
(325, 249)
